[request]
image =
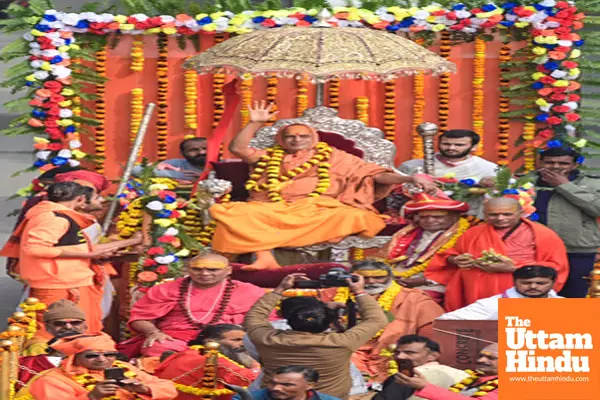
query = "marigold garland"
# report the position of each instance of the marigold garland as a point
(503, 107)
(88, 381)
(484, 389)
(357, 254)
(334, 93)
(444, 85)
(272, 82)
(246, 89)
(302, 95)
(270, 166)
(162, 72)
(191, 99)
(385, 300)
(100, 137)
(478, 93)
(529, 151)
(463, 226)
(389, 116)
(137, 112)
(418, 109)
(137, 54)
(362, 110)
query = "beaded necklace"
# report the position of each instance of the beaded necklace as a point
(185, 290)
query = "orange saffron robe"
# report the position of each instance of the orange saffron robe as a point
(464, 286)
(414, 313)
(345, 209)
(55, 384)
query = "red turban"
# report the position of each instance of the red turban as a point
(99, 181)
(425, 202)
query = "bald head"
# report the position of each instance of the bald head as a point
(487, 361)
(492, 348)
(209, 257)
(208, 270)
(502, 212)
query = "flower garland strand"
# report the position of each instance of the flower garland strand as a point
(100, 137)
(478, 92)
(362, 110)
(246, 89)
(191, 99)
(137, 54)
(272, 82)
(334, 93)
(418, 109)
(302, 95)
(270, 166)
(444, 85)
(162, 72)
(137, 113)
(503, 107)
(463, 225)
(389, 116)
(529, 150)
(483, 390)
(385, 300)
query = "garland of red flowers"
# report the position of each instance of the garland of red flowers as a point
(224, 302)
(302, 96)
(162, 72)
(444, 85)
(100, 137)
(478, 93)
(272, 82)
(334, 93)
(389, 116)
(503, 107)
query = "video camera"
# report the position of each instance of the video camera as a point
(335, 277)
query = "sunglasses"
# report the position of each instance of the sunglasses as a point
(62, 324)
(93, 356)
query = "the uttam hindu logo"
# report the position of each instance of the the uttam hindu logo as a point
(523, 341)
(549, 349)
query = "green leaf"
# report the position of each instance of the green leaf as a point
(19, 47)
(18, 70)
(86, 120)
(181, 42)
(39, 7)
(18, 105)
(21, 130)
(519, 155)
(89, 78)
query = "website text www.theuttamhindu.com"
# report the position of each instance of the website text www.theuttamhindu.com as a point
(551, 378)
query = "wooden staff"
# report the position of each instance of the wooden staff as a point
(6, 369)
(428, 131)
(137, 144)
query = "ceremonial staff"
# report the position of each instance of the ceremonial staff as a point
(428, 131)
(137, 144)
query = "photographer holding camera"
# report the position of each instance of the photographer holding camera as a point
(308, 344)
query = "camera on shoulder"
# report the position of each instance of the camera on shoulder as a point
(335, 277)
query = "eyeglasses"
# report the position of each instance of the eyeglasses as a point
(62, 324)
(93, 356)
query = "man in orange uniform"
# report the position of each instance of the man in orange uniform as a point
(302, 192)
(518, 241)
(81, 375)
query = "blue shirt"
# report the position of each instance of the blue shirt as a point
(263, 394)
(181, 163)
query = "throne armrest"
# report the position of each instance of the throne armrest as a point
(237, 172)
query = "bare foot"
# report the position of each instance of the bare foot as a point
(264, 261)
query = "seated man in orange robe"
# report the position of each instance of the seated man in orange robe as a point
(234, 367)
(171, 314)
(302, 192)
(410, 311)
(436, 226)
(88, 356)
(516, 240)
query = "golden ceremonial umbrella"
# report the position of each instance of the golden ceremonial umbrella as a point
(322, 53)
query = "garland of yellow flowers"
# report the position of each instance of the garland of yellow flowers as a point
(137, 54)
(484, 389)
(270, 165)
(478, 93)
(503, 107)
(137, 113)
(529, 151)
(302, 96)
(334, 93)
(418, 109)
(206, 233)
(246, 89)
(444, 84)
(385, 300)
(100, 137)
(162, 72)
(272, 82)
(463, 225)
(88, 381)
(200, 347)
(130, 219)
(389, 113)
(362, 110)
(191, 99)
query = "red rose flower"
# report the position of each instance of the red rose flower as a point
(54, 111)
(149, 263)
(163, 269)
(175, 214)
(55, 146)
(50, 124)
(269, 23)
(561, 109)
(561, 4)
(56, 136)
(572, 117)
(546, 133)
(166, 239)
(547, 80)
(57, 98)
(558, 97)
(570, 64)
(53, 86)
(554, 120)
(574, 97)
(156, 251)
(541, 68)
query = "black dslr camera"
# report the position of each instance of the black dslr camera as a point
(335, 277)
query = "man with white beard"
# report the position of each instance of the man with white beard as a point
(531, 282)
(410, 311)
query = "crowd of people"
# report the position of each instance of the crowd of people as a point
(272, 346)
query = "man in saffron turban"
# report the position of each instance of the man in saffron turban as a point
(302, 192)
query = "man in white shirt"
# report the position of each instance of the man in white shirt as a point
(531, 282)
